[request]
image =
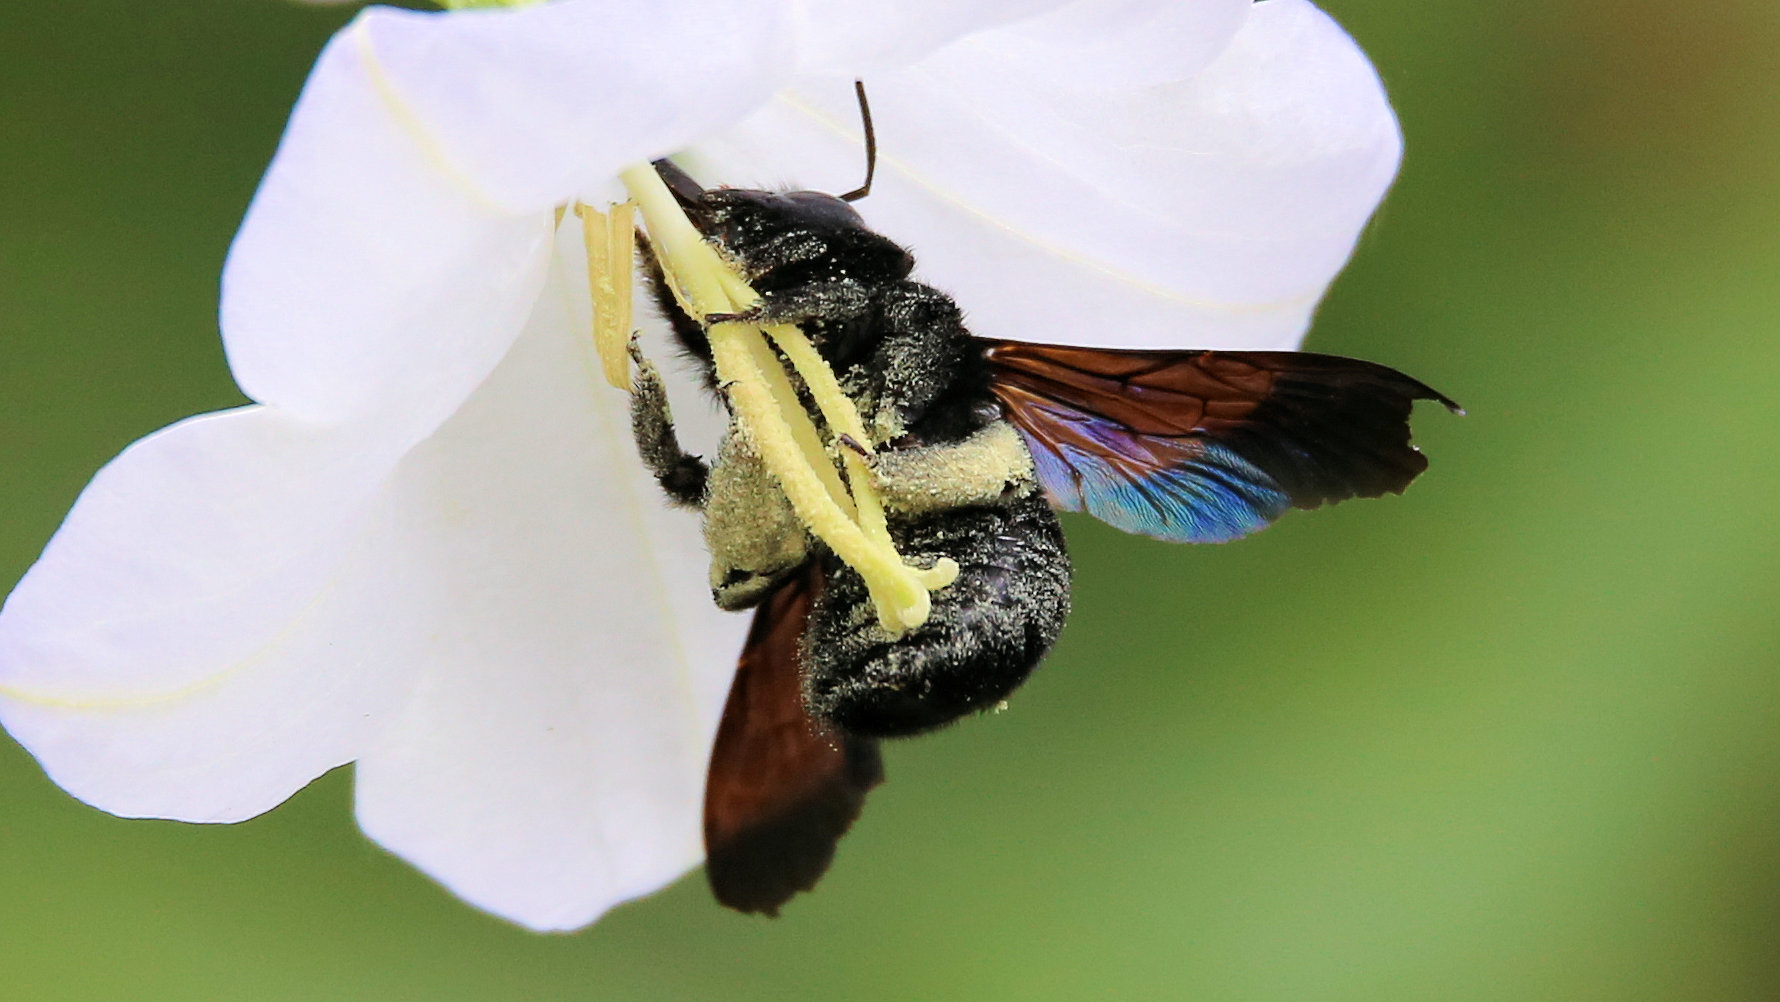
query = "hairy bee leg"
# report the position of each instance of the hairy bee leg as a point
(681, 475)
(923, 365)
(751, 531)
(838, 300)
(990, 466)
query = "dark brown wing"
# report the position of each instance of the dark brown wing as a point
(1206, 446)
(782, 788)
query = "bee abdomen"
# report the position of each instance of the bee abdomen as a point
(986, 633)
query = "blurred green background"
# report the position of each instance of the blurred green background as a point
(1513, 736)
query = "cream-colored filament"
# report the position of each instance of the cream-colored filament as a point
(848, 518)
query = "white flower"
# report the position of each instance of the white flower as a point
(429, 548)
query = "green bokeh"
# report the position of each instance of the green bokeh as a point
(1512, 736)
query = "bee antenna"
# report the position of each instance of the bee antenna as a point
(871, 146)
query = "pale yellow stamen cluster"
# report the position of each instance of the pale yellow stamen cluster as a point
(849, 516)
(611, 239)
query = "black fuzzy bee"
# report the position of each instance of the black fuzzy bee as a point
(978, 442)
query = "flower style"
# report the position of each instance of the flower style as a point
(429, 548)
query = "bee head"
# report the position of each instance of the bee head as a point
(743, 219)
(780, 237)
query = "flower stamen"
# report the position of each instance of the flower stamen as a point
(806, 437)
(843, 417)
(767, 410)
(611, 245)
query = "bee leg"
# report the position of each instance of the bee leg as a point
(751, 531)
(923, 361)
(989, 467)
(681, 475)
(828, 301)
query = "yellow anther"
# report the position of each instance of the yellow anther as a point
(611, 247)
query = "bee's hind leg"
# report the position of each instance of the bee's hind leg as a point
(989, 467)
(682, 476)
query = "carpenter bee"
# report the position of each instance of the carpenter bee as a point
(977, 443)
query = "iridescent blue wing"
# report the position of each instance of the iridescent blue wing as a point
(1206, 446)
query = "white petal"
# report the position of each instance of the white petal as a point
(1110, 45)
(368, 278)
(1132, 204)
(198, 640)
(396, 243)
(534, 105)
(552, 761)
(854, 37)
